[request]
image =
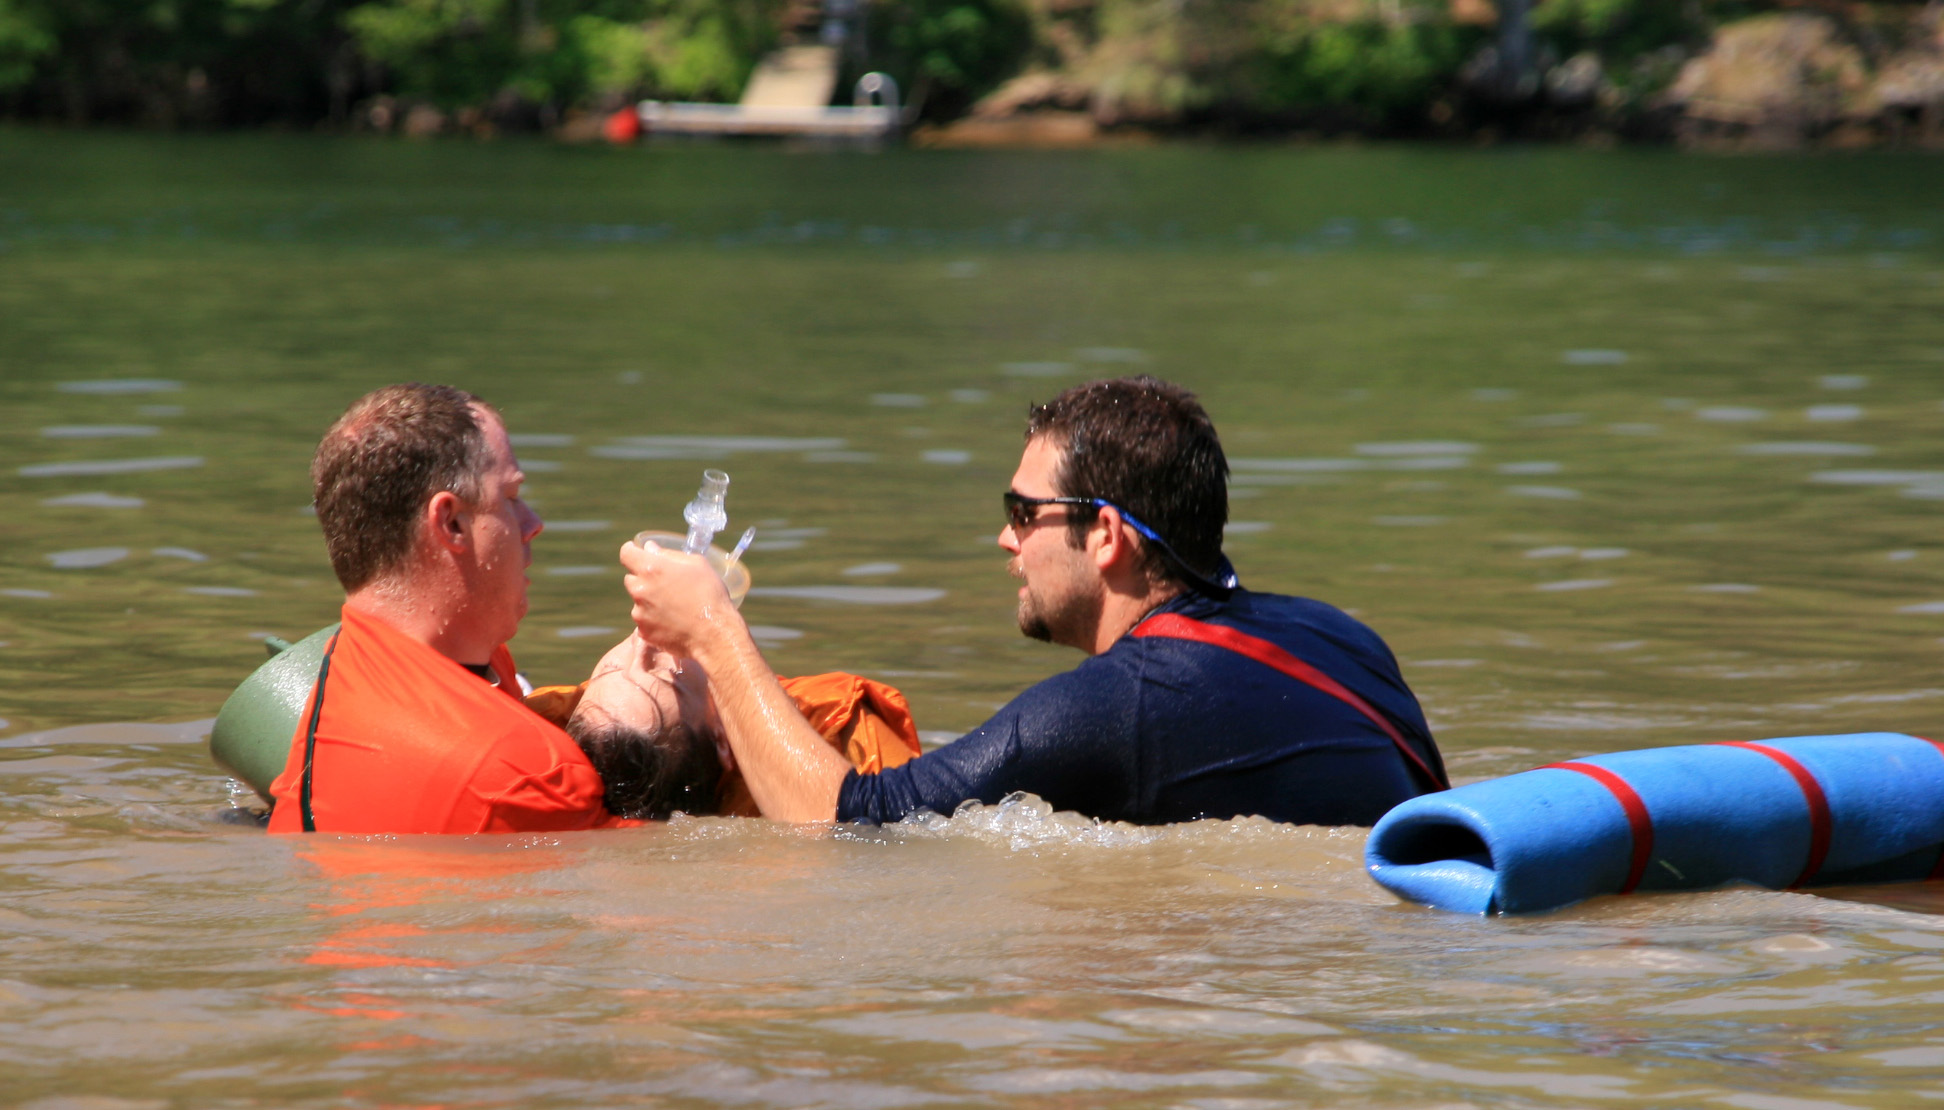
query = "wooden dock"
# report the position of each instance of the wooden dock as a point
(788, 96)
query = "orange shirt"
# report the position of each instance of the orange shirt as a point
(412, 742)
(865, 719)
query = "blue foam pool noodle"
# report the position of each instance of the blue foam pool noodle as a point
(1808, 810)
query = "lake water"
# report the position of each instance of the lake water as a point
(1617, 450)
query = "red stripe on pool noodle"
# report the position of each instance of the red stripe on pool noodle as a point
(1812, 793)
(1174, 626)
(1638, 819)
(1937, 872)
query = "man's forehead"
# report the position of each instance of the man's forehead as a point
(1039, 463)
(498, 443)
(490, 423)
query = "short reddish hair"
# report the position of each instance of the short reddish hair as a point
(382, 461)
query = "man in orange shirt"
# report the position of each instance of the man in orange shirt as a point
(416, 723)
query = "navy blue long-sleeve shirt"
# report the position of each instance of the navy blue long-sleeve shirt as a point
(1159, 729)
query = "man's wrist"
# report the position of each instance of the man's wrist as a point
(724, 644)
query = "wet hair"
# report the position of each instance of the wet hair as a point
(651, 774)
(1149, 447)
(378, 465)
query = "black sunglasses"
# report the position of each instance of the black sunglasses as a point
(1021, 509)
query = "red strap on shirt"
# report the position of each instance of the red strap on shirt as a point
(1174, 626)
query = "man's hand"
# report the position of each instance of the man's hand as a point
(678, 600)
(680, 605)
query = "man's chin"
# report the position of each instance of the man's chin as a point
(1033, 626)
(513, 626)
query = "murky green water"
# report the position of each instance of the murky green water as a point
(1617, 450)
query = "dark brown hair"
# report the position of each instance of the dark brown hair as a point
(652, 774)
(1147, 446)
(382, 461)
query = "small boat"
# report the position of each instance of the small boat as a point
(788, 96)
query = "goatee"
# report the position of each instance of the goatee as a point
(1069, 621)
(1032, 624)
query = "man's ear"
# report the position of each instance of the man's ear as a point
(1108, 541)
(446, 517)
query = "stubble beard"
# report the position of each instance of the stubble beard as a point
(1068, 621)
(1031, 623)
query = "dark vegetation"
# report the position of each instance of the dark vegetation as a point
(1762, 71)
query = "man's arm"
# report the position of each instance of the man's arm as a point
(975, 767)
(1069, 739)
(679, 604)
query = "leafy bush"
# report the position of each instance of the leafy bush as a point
(706, 49)
(1618, 30)
(450, 52)
(24, 37)
(1375, 72)
(1375, 65)
(946, 53)
(1364, 64)
(459, 52)
(171, 62)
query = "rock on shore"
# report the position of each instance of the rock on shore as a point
(1786, 80)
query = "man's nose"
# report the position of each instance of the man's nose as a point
(1009, 539)
(530, 524)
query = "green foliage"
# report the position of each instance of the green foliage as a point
(1374, 64)
(168, 61)
(1376, 67)
(1381, 72)
(949, 51)
(613, 56)
(24, 37)
(1371, 65)
(460, 52)
(706, 49)
(1619, 30)
(174, 61)
(451, 52)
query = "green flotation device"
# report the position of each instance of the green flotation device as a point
(251, 737)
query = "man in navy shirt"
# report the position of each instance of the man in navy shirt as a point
(1199, 699)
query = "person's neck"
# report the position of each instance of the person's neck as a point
(428, 612)
(1121, 610)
